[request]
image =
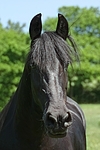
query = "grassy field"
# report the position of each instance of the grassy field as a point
(92, 114)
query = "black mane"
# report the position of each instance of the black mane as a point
(48, 48)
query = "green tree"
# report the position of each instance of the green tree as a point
(84, 24)
(15, 26)
(13, 49)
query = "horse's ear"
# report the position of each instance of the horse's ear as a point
(62, 27)
(35, 27)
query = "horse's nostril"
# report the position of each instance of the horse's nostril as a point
(67, 120)
(50, 120)
(58, 123)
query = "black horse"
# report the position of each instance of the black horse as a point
(40, 116)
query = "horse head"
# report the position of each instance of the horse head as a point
(49, 60)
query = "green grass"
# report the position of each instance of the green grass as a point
(92, 115)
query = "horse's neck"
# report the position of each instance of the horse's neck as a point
(28, 122)
(8, 112)
(3, 115)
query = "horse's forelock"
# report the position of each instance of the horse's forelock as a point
(46, 49)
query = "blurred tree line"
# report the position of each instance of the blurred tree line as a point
(84, 79)
(14, 46)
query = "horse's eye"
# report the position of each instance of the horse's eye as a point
(44, 91)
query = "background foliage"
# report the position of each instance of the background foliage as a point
(84, 79)
(13, 48)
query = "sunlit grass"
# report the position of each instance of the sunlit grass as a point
(92, 114)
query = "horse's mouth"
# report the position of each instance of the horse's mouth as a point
(57, 135)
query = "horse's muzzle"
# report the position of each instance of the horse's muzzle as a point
(57, 127)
